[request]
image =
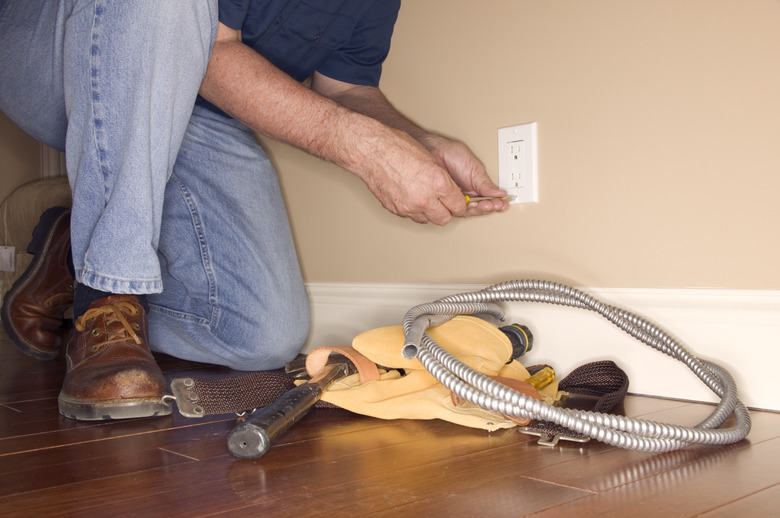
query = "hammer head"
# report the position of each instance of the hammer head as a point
(344, 367)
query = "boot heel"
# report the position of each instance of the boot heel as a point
(85, 410)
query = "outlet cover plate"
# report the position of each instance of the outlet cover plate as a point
(518, 172)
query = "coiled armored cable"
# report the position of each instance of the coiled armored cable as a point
(624, 432)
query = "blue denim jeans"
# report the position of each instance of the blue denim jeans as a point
(169, 199)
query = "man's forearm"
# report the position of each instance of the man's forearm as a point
(328, 124)
(250, 89)
(372, 102)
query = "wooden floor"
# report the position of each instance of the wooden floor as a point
(334, 463)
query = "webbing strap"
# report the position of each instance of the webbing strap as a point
(603, 379)
(198, 397)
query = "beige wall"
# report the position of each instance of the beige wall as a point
(659, 140)
(20, 160)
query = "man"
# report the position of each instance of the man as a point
(176, 209)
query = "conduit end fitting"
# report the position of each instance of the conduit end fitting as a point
(409, 351)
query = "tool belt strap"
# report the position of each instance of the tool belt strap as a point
(198, 397)
(603, 379)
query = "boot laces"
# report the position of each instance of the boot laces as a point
(60, 300)
(113, 312)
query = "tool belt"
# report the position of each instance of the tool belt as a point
(388, 386)
(473, 358)
(403, 389)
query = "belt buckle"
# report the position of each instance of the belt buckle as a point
(551, 440)
(186, 399)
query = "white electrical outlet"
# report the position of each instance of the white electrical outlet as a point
(517, 162)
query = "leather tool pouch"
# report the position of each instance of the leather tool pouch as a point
(405, 390)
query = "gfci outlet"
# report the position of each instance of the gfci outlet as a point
(517, 162)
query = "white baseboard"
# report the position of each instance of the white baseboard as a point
(737, 329)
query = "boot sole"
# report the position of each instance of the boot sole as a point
(39, 247)
(90, 410)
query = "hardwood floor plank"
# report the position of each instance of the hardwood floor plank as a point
(636, 406)
(83, 464)
(488, 482)
(717, 479)
(615, 467)
(63, 431)
(763, 503)
(473, 496)
(764, 426)
(25, 378)
(290, 469)
(78, 452)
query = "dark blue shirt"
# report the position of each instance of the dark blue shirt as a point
(347, 40)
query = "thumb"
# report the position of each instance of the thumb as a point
(484, 186)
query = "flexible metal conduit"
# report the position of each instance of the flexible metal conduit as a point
(624, 432)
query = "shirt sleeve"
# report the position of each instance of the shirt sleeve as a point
(359, 61)
(233, 12)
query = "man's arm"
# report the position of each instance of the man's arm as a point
(401, 173)
(467, 171)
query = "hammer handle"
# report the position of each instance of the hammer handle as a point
(254, 437)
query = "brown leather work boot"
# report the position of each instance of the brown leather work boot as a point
(34, 308)
(111, 373)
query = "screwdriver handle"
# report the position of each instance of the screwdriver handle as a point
(469, 199)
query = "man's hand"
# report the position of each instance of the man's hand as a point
(408, 180)
(467, 172)
(427, 184)
(419, 190)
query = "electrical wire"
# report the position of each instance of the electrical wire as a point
(624, 432)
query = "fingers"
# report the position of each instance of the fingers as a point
(440, 208)
(443, 209)
(453, 204)
(468, 173)
(428, 185)
(435, 198)
(483, 207)
(431, 202)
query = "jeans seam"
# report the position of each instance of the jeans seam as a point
(205, 255)
(97, 121)
(180, 315)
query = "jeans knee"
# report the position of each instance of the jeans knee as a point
(260, 345)
(269, 343)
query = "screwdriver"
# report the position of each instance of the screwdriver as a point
(469, 199)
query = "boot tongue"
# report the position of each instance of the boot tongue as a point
(113, 299)
(115, 310)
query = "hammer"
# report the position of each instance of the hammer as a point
(253, 437)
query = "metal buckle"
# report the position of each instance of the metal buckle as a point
(186, 398)
(550, 440)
